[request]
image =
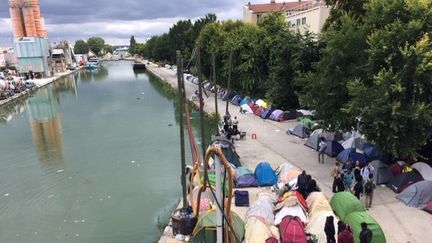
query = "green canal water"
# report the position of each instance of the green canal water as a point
(93, 157)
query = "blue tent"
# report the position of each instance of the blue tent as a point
(265, 175)
(352, 154)
(371, 152)
(236, 100)
(265, 114)
(333, 148)
(245, 100)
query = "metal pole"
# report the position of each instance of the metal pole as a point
(201, 103)
(215, 93)
(219, 215)
(229, 79)
(182, 142)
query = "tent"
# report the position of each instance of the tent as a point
(305, 112)
(265, 175)
(246, 108)
(371, 152)
(295, 211)
(424, 169)
(229, 95)
(417, 195)
(241, 171)
(382, 173)
(205, 229)
(312, 141)
(236, 100)
(257, 231)
(265, 114)
(428, 207)
(245, 100)
(229, 151)
(401, 181)
(261, 103)
(355, 219)
(258, 110)
(263, 207)
(291, 115)
(353, 142)
(307, 122)
(300, 131)
(345, 203)
(277, 115)
(317, 222)
(351, 154)
(248, 180)
(333, 148)
(317, 202)
(292, 230)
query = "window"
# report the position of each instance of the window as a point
(298, 22)
(303, 20)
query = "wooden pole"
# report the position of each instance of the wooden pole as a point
(213, 60)
(229, 79)
(201, 102)
(182, 142)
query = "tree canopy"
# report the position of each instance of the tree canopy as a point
(81, 47)
(96, 44)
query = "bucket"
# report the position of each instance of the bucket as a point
(183, 221)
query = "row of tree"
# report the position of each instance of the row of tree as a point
(96, 44)
(371, 66)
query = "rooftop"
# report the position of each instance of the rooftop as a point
(284, 6)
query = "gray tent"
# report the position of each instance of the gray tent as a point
(382, 173)
(417, 195)
(300, 131)
(424, 169)
(312, 141)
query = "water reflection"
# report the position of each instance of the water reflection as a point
(94, 74)
(45, 119)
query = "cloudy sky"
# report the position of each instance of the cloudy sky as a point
(117, 20)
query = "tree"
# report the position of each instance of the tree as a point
(108, 49)
(132, 45)
(96, 44)
(81, 47)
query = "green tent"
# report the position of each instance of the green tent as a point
(355, 219)
(344, 203)
(212, 181)
(205, 229)
(307, 122)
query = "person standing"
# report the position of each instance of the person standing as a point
(348, 178)
(365, 234)
(329, 229)
(321, 149)
(346, 236)
(358, 187)
(335, 173)
(369, 188)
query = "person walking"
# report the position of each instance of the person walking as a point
(329, 229)
(365, 171)
(369, 188)
(335, 173)
(358, 187)
(321, 149)
(365, 234)
(348, 179)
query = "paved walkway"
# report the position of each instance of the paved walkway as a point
(399, 222)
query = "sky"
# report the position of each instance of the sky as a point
(116, 21)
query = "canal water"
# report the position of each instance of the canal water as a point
(93, 157)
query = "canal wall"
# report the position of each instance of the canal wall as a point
(39, 83)
(272, 144)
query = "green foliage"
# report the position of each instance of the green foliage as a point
(376, 66)
(108, 49)
(96, 44)
(81, 47)
(133, 48)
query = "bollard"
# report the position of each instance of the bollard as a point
(254, 136)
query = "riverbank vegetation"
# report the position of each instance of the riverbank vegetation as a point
(370, 67)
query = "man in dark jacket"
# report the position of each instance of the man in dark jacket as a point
(329, 229)
(365, 234)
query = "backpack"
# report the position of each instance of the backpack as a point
(292, 230)
(368, 187)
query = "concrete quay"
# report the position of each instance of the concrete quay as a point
(400, 223)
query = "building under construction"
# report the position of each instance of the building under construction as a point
(30, 37)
